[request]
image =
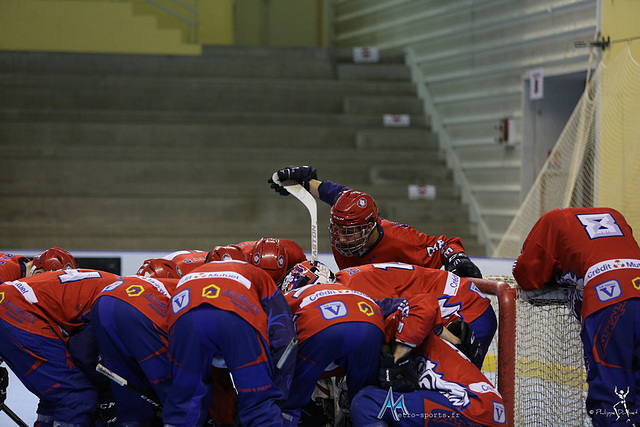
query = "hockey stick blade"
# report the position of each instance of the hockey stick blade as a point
(124, 383)
(14, 417)
(300, 193)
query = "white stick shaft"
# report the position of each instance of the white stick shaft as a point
(300, 193)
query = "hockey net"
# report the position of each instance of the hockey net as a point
(596, 160)
(536, 358)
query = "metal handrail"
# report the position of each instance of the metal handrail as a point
(193, 23)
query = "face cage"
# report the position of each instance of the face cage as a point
(349, 240)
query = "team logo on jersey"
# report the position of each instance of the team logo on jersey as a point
(333, 310)
(608, 290)
(180, 301)
(394, 406)
(134, 290)
(365, 308)
(1, 297)
(499, 416)
(211, 291)
(636, 283)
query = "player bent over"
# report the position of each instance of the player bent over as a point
(463, 306)
(425, 380)
(359, 236)
(14, 267)
(335, 325)
(229, 314)
(37, 316)
(130, 323)
(593, 254)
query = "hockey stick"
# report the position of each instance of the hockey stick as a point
(14, 417)
(124, 383)
(300, 193)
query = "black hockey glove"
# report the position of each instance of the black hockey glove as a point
(300, 174)
(469, 346)
(402, 375)
(107, 414)
(4, 383)
(461, 265)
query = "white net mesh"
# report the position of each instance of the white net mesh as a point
(550, 383)
(596, 160)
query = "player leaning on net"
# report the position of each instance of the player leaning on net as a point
(359, 236)
(593, 254)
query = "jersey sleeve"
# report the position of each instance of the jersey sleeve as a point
(535, 266)
(330, 191)
(414, 321)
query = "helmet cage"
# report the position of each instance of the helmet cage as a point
(349, 240)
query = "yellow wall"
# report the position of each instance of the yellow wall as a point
(85, 26)
(619, 171)
(621, 20)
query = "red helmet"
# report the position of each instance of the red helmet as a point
(160, 268)
(307, 273)
(53, 259)
(270, 255)
(353, 217)
(226, 253)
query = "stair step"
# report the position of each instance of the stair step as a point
(196, 117)
(386, 105)
(374, 71)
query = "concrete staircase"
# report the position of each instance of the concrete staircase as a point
(157, 152)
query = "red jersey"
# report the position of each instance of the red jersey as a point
(62, 297)
(12, 267)
(187, 260)
(234, 286)
(590, 249)
(443, 368)
(150, 296)
(295, 253)
(458, 297)
(402, 243)
(316, 307)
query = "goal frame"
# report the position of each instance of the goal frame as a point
(506, 296)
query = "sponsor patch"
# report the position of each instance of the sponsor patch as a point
(608, 290)
(499, 416)
(180, 301)
(333, 310)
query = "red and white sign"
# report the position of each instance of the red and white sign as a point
(400, 120)
(422, 192)
(366, 54)
(536, 84)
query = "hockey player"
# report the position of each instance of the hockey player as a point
(39, 317)
(592, 253)
(229, 314)
(276, 256)
(129, 320)
(425, 380)
(359, 236)
(14, 267)
(462, 304)
(336, 326)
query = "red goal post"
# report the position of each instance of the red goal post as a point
(506, 300)
(536, 359)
